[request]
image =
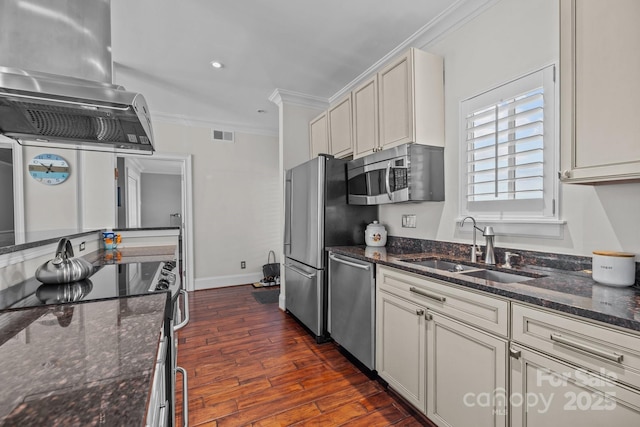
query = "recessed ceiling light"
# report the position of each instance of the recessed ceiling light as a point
(216, 64)
(261, 111)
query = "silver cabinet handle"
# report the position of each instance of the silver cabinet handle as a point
(300, 272)
(586, 348)
(420, 312)
(352, 264)
(185, 396)
(516, 354)
(427, 294)
(387, 182)
(185, 320)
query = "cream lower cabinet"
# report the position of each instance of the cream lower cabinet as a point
(400, 347)
(548, 392)
(466, 375)
(442, 365)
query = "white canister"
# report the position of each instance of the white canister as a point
(614, 268)
(375, 234)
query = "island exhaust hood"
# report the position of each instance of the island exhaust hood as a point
(42, 107)
(58, 89)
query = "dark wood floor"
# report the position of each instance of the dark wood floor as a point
(252, 364)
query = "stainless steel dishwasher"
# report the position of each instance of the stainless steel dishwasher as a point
(352, 306)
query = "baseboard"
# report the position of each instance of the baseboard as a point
(223, 281)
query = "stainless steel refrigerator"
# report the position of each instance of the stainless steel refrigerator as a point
(317, 216)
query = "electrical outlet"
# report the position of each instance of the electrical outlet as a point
(408, 221)
(243, 264)
(81, 247)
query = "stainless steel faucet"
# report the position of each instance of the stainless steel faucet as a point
(474, 251)
(489, 235)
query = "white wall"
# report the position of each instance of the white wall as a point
(508, 40)
(86, 200)
(235, 201)
(161, 196)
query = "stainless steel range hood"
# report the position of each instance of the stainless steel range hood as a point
(42, 107)
(55, 85)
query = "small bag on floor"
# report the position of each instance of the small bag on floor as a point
(271, 270)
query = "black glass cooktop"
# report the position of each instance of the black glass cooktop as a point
(109, 281)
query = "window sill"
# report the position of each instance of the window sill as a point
(539, 228)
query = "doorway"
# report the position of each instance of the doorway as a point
(156, 191)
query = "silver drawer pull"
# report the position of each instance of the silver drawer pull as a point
(427, 294)
(586, 348)
(419, 312)
(349, 263)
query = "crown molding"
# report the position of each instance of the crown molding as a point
(283, 96)
(455, 16)
(200, 122)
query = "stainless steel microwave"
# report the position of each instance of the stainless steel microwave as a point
(407, 173)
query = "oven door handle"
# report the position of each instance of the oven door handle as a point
(185, 396)
(185, 320)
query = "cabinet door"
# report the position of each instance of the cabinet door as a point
(365, 118)
(318, 135)
(395, 92)
(600, 66)
(466, 370)
(548, 392)
(340, 129)
(400, 347)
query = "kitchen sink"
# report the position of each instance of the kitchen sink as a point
(497, 276)
(439, 264)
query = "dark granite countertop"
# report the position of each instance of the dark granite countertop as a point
(573, 292)
(79, 364)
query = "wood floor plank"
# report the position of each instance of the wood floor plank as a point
(252, 364)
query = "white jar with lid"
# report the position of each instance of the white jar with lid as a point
(375, 234)
(614, 268)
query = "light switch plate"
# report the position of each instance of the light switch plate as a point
(408, 221)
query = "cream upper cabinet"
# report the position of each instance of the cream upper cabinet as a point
(340, 128)
(318, 135)
(411, 100)
(600, 65)
(403, 102)
(365, 118)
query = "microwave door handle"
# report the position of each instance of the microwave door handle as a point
(387, 182)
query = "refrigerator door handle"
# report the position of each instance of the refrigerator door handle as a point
(352, 264)
(287, 225)
(300, 272)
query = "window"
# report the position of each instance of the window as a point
(509, 151)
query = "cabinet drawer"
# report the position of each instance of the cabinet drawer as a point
(481, 311)
(610, 352)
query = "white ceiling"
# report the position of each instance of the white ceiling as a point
(163, 49)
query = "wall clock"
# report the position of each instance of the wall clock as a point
(49, 169)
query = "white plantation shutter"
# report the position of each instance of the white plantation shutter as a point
(508, 149)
